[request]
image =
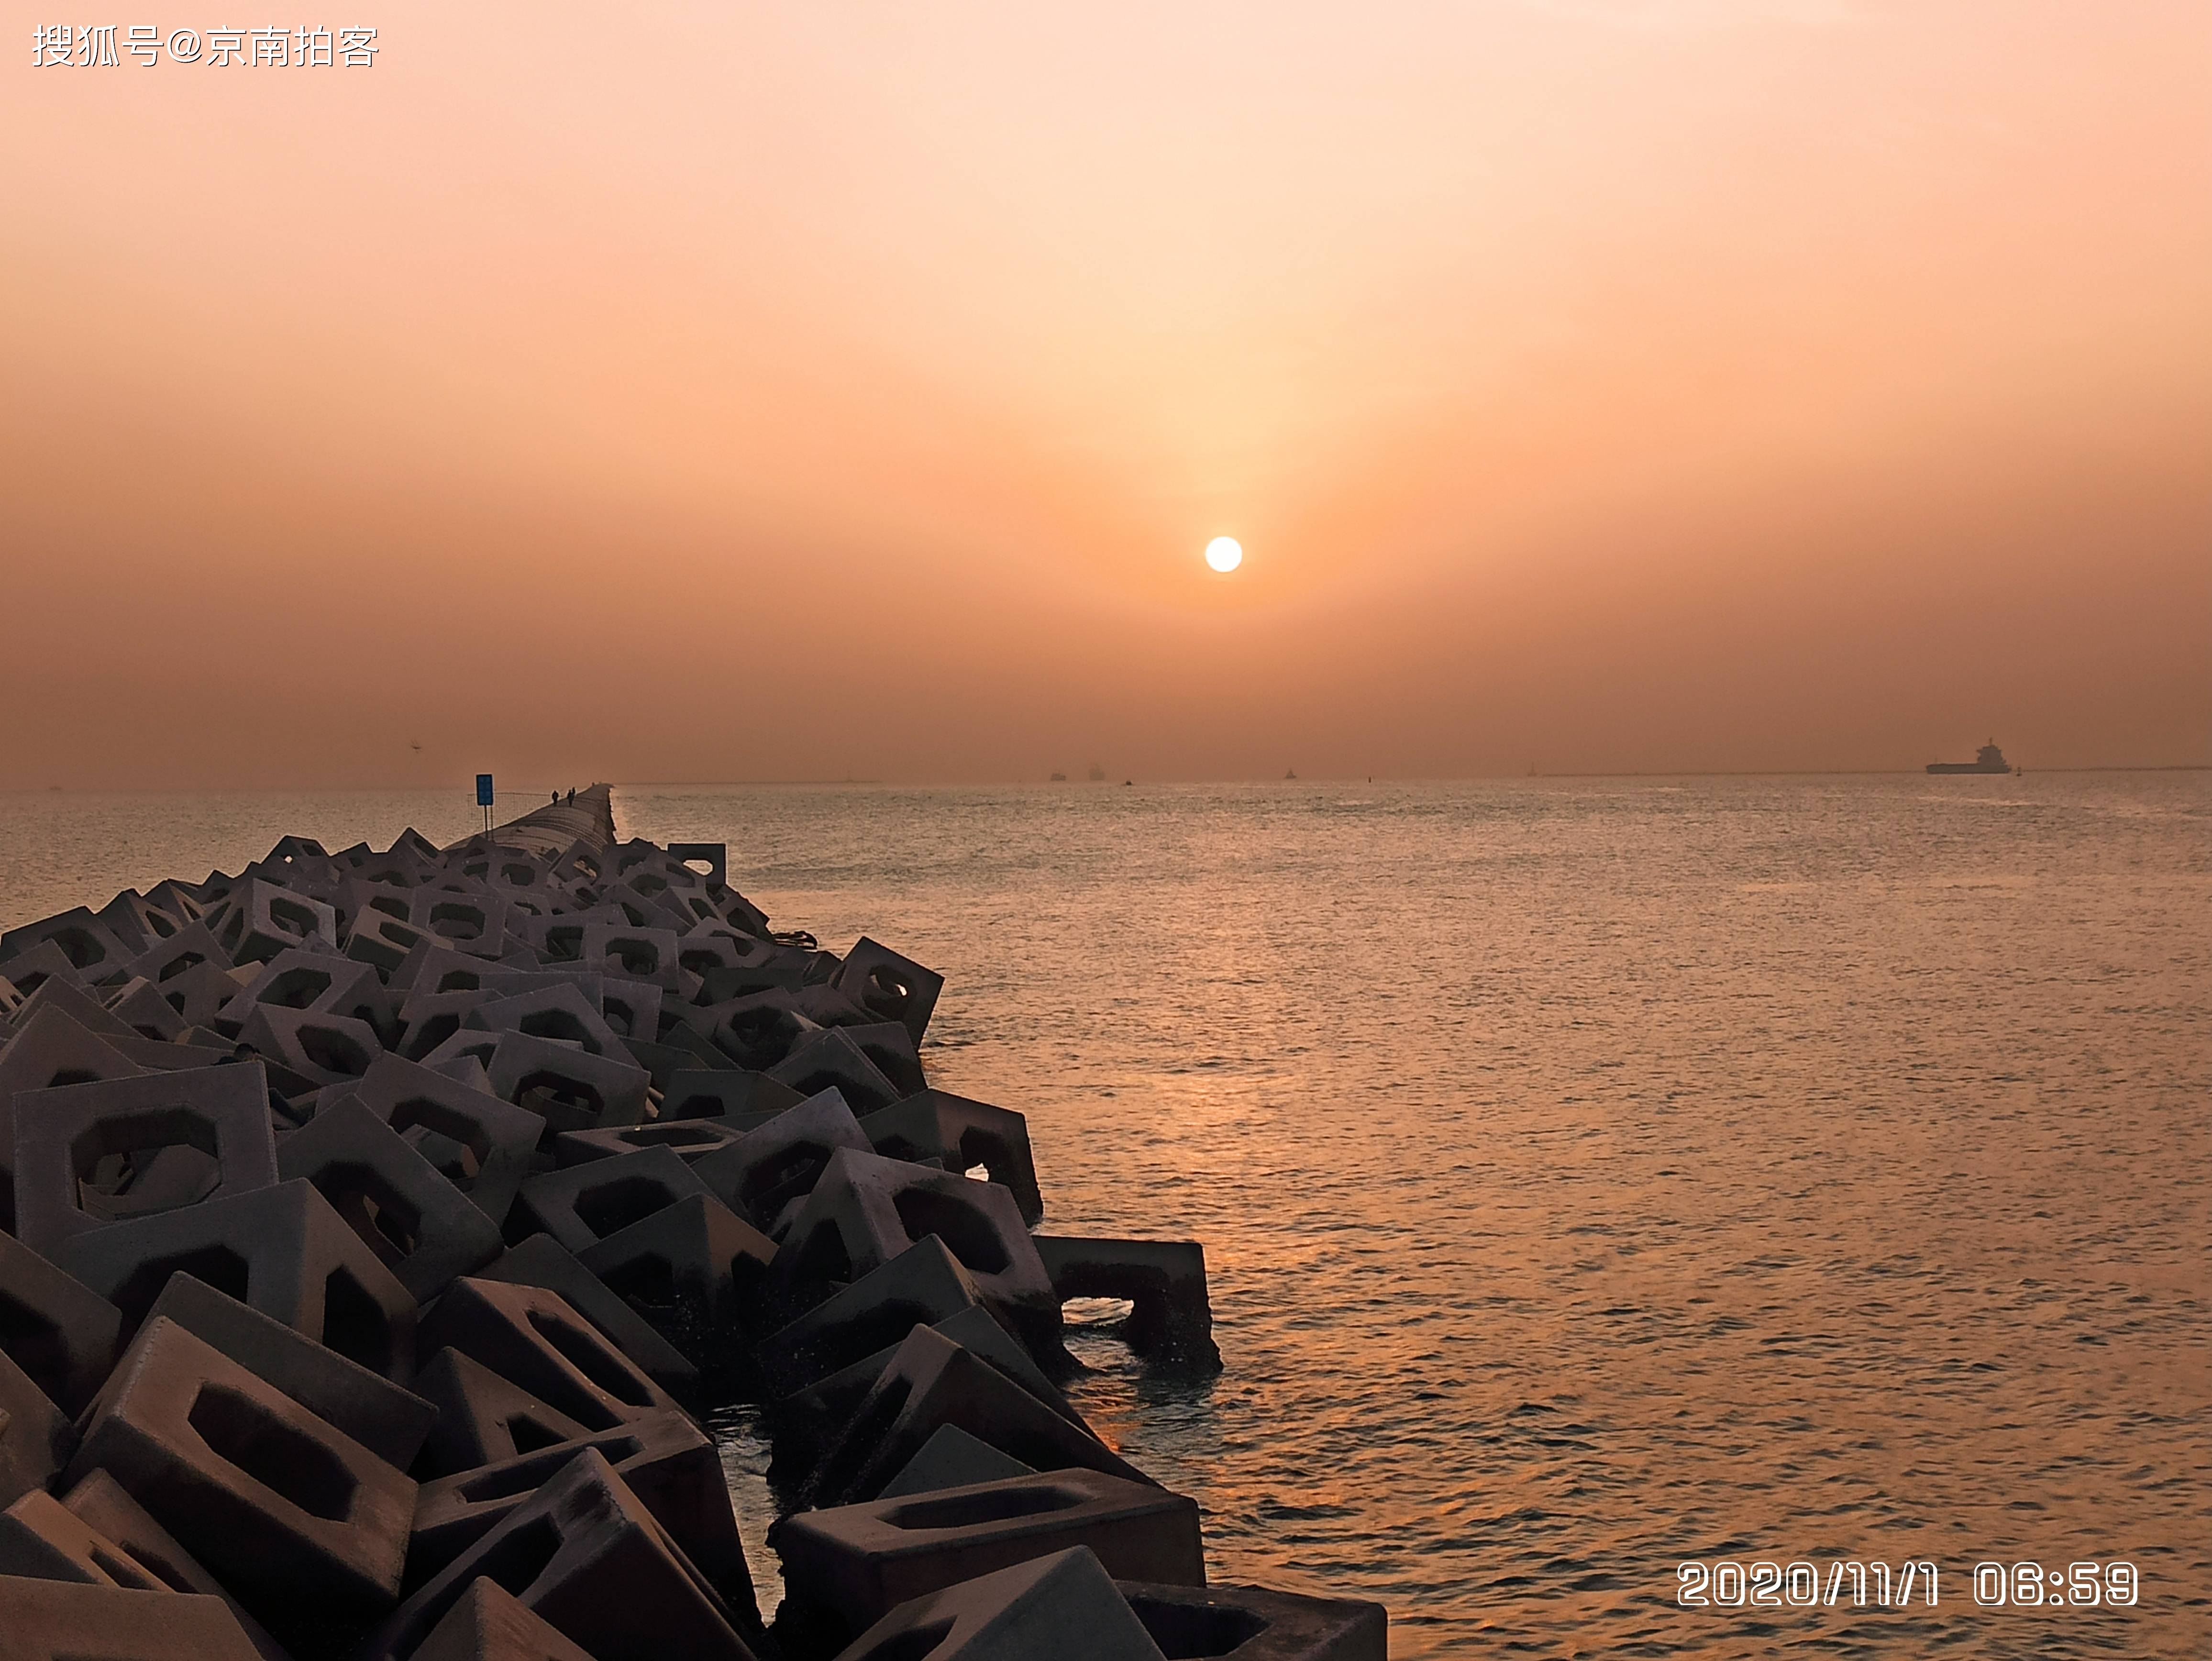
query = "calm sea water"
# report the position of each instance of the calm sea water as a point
(1594, 1174)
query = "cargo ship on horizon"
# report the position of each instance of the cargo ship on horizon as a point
(1990, 759)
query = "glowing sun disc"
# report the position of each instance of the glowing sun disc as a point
(1224, 553)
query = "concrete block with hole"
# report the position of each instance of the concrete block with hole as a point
(757, 1031)
(1254, 1623)
(480, 1144)
(664, 1458)
(257, 920)
(64, 1134)
(324, 1049)
(388, 1420)
(482, 1418)
(829, 1060)
(91, 947)
(1170, 1315)
(932, 1381)
(726, 1093)
(537, 1339)
(281, 1250)
(61, 1334)
(936, 1126)
(864, 1210)
(952, 1459)
(692, 1140)
(542, 1260)
(847, 1567)
(768, 1168)
(584, 1204)
(280, 1505)
(63, 1621)
(694, 1269)
(1064, 1605)
(36, 1440)
(570, 1090)
(893, 987)
(922, 1285)
(561, 1011)
(490, 1623)
(47, 1050)
(421, 1227)
(584, 1555)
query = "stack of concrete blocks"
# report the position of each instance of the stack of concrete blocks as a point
(377, 1224)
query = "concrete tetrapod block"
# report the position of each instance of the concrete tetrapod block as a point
(82, 1005)
(889, 1046)
(62, 1134)
(29, 971)
(41, 1539)
(933, 1381)
(534, 1338)
(757, 1031)
(324, 1050)
(892, 987)
(141, 1006)
(1255, 1624)
(865, 1210)
(847, 1567)
(191, 947)
(483, 1418)
(47, 1049)
(1064, 1606)
(664, 1458)
(952, 1459)
(585, 1556)
(708, 1092)
(775, 1164)
(257, 919)
(542, 1260)
(559, 1012)
(692, 1138)
(421, 1227)
(829, 1060)
(91, 946)
(485, 1144)
(922, 1285)
(693, 1268)
(281, 1250)
(639, 954)
(58, 1621)
(36, 1441)
(285, 1509)
(584, 1204)
(315, 982)
(571, 1090)
(489, 1623)
(936, 1127)
(383, 941)
(1170, 1316)
(61, 1333)
(389, 1421)
(100, 1502)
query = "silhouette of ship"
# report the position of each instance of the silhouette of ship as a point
(1098, 774)
(1990, 760)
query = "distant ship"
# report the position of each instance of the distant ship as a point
(1058, 778)
(1290, 772)
(1098, 774)
(1991, 760)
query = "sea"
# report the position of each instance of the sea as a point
(1608, 1185)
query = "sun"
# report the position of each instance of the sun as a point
(1225, 554)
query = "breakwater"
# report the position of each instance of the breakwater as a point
(378, 1221)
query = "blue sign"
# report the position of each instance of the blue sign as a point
(483, 789)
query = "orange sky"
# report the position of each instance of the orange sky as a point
(830, 387)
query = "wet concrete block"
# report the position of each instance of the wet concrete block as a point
(324, 1049)
(421, 1227)
(1064, 1605)
(541, 1261)
(892, 986)
(1170, 1317)
(59, 1621)
(664, 1458)
(281, 1250)
(570, 1090)
(691, 1139)
(767, 1169)
(536, 1339)
(1255, 1624)
(63, 1335)
(952, 1459)
(922, 1285)
(100, 1502)
(936, 1126)
(482, 1418)
(36, 1441)
(694, 1269)
(726, 1093)
(864, 1210)
(584, 1204)
(585, 1556)
(389, 1421)
(848, 1566)
(489, 1623)
(284, 1508)
(63, 1135)
(480, 1144)
(932, 1381)
(829, 1060)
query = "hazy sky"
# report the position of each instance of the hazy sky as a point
(814, 388)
